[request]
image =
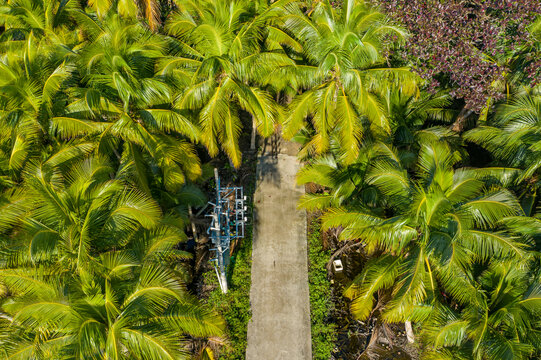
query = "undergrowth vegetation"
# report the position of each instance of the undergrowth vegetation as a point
(234, 306)
(321, 305)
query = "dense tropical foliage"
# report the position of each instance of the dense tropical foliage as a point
(111, 110)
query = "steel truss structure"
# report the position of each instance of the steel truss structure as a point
(228, 219)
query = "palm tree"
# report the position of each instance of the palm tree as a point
(92, 269)
(222, 62)
(31, 81)
(125, 110)
(149, 10)
(428, 230)
(341, 75)
(501, 323)
(512, 136)
(72, 215)
(132, 305)
(411, 120)
(416, 119)
(36, 20)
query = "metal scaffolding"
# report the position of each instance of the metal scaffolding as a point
(228, 219)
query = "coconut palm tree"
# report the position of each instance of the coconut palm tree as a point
(220, 56)
(512, 135)
(49, 20)
(148, 10)
(70, 216)
(91, 269)
(31, 81)
(341, 75)
(127, 111)
(131, 305)
(411, 120)
(501, 323)
(429, 228)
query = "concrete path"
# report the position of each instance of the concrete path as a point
(280, 324)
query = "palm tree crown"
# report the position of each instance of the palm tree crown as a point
(89, 270)
(428, 227)
(221, 62)
(343, 73)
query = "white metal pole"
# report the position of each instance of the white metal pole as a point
(222, 279)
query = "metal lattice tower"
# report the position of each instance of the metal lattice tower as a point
(228, 221)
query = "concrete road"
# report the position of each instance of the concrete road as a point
(280, 324)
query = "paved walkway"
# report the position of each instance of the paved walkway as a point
(280, 324)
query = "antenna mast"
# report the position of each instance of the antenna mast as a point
(227, 223)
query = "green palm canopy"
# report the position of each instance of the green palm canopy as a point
(218, 56)
(93, 270)
(427, 228)
(342, 75)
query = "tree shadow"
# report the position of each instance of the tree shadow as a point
(268, 161)
(271, 146)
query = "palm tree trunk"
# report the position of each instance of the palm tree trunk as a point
(409, 332)
(194, 230)
(374, 334)
(460, 121)
(254, 133)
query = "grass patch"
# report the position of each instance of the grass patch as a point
(321, 304)
(235, 305)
